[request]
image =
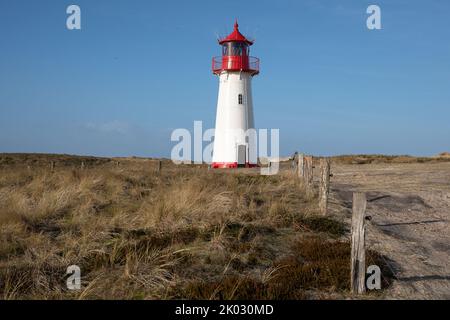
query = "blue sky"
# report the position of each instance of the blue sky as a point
(139, 69)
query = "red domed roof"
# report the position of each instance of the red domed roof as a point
(235, 36)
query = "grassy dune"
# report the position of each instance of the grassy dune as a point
(184, 233)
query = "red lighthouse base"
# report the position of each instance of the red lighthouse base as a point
(231, 165)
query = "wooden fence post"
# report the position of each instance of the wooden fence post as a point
(358, 255)
(52, 166)
(301, 166)
(324, 186)
(308, 174)
(82, 165)
(159, 166)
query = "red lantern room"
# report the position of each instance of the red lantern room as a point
(235, 54)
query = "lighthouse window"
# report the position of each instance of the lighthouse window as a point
(237, 49)
(240, 98)
(234, 49)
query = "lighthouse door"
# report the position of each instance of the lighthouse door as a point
(242, 152)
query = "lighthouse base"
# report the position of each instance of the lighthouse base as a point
(231, 165)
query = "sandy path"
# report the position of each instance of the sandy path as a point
(410, 209)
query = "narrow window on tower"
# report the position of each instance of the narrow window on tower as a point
(240, 98)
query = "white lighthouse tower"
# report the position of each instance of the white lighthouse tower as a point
(235, 69)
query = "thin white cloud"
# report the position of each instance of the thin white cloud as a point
(115, 126)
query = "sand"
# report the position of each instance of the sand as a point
(410, 209)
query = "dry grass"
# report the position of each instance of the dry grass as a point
(184, 233)
(315, 268)
(378, 158)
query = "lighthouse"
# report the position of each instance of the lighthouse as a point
(235, 68)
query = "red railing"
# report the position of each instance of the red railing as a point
(235, 63)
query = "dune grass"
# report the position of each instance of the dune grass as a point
(186, 232)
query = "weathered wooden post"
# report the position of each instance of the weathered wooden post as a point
(82, 165)
(159, 166)
(301, 166)
(308, 174)
(324, 186)
(294, 162)
(358, 254)
(52, 166)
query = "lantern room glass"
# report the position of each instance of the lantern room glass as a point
(235, 49)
